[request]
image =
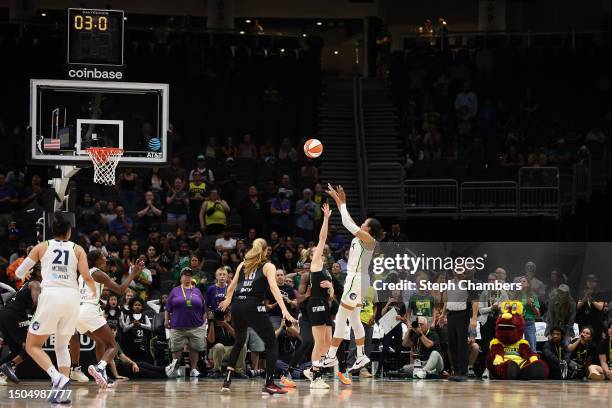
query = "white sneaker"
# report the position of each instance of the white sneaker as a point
(325, 362)
(419, 373)
(308, 374)
(77, 375)
(3, 379)
(471, 373)
(319, 384)
(98, 375)
(172, 369)
(485, 374)
(194, 373)
(359, 363)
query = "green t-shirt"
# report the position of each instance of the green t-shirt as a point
(528, 314)
(422, 305)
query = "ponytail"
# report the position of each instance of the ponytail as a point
(256, 256)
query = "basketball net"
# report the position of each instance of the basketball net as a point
(105, 160)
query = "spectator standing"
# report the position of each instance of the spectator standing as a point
(561, 312)
(88, 214)
(531, 310)
(128, 183)
(176, 170)
(197, 194)
(184, 316)
(537, 286)
(149, 214)
(216, 292)
(251, 211)
(589, 310)
(247, 149)
(213, 214)
(177, 203)
(206, 173)
(280, 214)
(121, 225)
(305, 210)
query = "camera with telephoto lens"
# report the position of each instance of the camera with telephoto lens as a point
(415, 324)
(219, 315)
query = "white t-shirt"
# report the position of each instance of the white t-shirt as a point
(225, 244)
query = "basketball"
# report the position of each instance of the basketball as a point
(313, 148)
(154, 144)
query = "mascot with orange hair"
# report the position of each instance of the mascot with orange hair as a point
(510, 356)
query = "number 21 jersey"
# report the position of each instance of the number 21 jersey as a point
(59, 265)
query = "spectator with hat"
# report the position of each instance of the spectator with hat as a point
(184, 316)
(207, 174)
(561, 312)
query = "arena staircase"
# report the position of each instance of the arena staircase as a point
(383, 149)
(340, 161)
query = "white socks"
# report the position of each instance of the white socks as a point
(54, 374)
(332, 351)
(360, 352)
(102, 365)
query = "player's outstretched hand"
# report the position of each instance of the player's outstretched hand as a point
(326, 210)
(341, 195)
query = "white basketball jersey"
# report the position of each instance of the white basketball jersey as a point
(59, 265)
(359, 258)
(86, 295)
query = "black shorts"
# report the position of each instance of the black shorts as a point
(14, 331)
(318, 312)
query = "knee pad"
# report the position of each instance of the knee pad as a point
(62, 354)
(355, 320)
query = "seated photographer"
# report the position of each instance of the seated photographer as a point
(425, 346)
(557, 355)
(602, 369)
(583, 354)
(289, 339)
(123, 367)
(221, 338)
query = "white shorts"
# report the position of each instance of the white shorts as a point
(57, 312)
(352, 291)
(91, 318)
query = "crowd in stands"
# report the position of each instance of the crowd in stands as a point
(478, 110)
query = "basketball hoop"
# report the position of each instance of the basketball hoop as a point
(105, 160)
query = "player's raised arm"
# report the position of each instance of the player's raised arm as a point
(317, 263)
(339, 197)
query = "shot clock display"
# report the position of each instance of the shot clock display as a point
(95, 37)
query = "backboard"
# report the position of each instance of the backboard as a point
(67, 117)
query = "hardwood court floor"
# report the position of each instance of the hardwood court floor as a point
(365, 393)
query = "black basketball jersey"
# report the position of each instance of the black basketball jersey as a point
(254, 284)
(316, 291)
(22, 303)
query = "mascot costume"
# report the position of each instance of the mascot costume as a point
(510, 356)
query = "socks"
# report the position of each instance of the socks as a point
(102, 365)
(54, 374)
(332, 351)
(360, 352)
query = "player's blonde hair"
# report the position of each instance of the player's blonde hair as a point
(256, 256)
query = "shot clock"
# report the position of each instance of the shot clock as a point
(95, 37)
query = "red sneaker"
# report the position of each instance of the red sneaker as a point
(272, 389)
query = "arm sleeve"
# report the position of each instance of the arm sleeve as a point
(25, 266)
(348, 223)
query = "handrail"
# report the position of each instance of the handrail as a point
(360, 145)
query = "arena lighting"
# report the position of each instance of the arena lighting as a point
(248, 21)
(336, 52)
(319, 23)
(282, 50)
(241, 32)
(304, 35)
(43, 14)
(124, 18)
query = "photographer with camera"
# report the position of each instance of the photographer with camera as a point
(289, 298)
(425, 345)
(213, 214)
(221, 338)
